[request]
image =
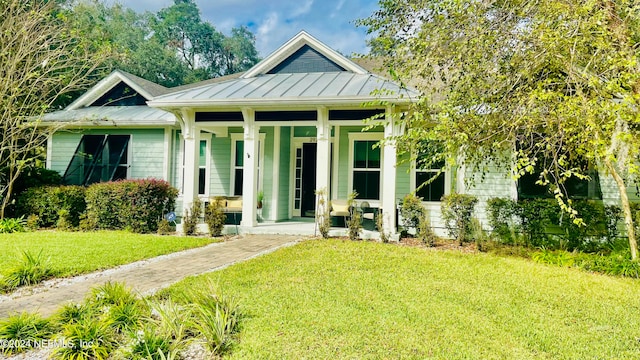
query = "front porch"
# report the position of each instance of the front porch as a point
(305, 227)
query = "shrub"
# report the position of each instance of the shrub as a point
(87, 339)
(164, 227)
(126, 315)
(72, 313)
(502, 214)
(425, 232)
(36, 177)
(215, 317)
(412, 211)
(215, 217)
(30, 270)
(457, 211)
(64, 220)
(149, 345)
(17, 331)
(612, 217)
(323, 217)
(169, 319)
(11, 225)
(33, 222)
(191, 217)
(536, 215)
(354, 223)
(137, 205)
(47, 202)
(111, 293)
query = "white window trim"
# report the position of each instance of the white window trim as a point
(181, 154)
(235, 137)
(353, 137)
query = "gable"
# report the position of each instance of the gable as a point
(306, 60)
(120, 95)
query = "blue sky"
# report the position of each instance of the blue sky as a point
(276, 21)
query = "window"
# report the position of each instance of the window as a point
(202, 167)
(425, 172)
(237, 163)
(99, 158)
(576, 188)
(366, 165)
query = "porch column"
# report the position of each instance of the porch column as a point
(323, 153)
(389, 175)
(191, 136)
(250, 169)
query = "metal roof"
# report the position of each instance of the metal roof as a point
(113, 115)
(289, 88)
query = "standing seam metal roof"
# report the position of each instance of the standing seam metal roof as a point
(275, 86)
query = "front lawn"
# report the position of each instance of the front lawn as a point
(71, 253)
(341, 299)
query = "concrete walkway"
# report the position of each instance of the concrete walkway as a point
(151, 275)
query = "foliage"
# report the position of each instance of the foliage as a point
(43, 59)
(215, 217)
(384, 237)
(545, 225)
(20, 332)
(137, 205)
(191, 218)
(457, 211)
(47, 202)
(168, 318)
(29, 270)
(502, 215)
(110, 294)
(425, 232)
(88, 339)
(559, 80)
(354, 224)
(64, 220)
(73, 313)
(412, 211)
(323, 217)
(215, 316)
(164, 227)
(616, 263)
(12, 225)
(149, 345)
(172, 47)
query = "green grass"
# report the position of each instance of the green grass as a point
(337, 299)
(72, 253)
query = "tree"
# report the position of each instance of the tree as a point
(41, 60)
(205, 50)
(130, 34)
(526, 85)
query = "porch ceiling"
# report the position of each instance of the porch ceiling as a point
(297, 88)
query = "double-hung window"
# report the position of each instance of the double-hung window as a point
(99, 158)
(366, 164)
(429, 179)
(237, 163)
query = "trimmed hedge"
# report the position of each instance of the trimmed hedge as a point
(544, 224)
(136, 205)
(48, 201)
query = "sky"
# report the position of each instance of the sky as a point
(275, 21)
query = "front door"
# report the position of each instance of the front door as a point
(308, 201)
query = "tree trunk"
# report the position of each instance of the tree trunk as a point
(626, 209)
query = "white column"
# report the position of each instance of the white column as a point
(336, 162)
(389, 175)
(275, 190)
(250, 169)
(323, 153)
(191, 137)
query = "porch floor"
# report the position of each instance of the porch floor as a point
(297, 226)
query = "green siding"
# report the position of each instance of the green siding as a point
(220, 166)
(305, 131)
(285, 165)
(496, 182)
(403, 176)
(146, 147)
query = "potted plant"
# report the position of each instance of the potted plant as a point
(260, 198)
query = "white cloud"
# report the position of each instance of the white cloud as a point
(303, 9)
(338, 9)
(265, 30)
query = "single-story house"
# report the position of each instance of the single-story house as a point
(290, 125)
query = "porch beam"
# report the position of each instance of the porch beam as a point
(389, 173)
(323, 153)
(250, 168)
